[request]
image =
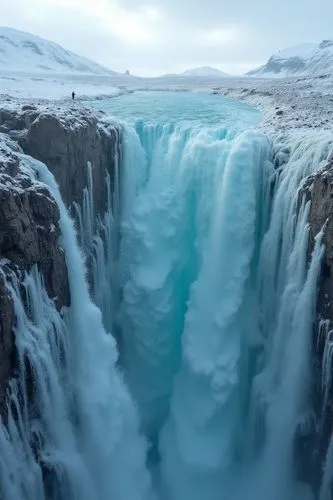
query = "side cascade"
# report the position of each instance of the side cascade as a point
(72, 429)
(98, 238)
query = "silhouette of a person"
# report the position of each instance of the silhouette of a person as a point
(73, 95)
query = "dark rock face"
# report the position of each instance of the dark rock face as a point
(29, 226)
(325, 44)
(66, 140)
(29, 235)
(7, 342)
(274, 65)
(293, 64)
(318, 188)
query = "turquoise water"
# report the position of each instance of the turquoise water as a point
(197, 109)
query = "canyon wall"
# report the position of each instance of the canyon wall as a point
(65, 139)
(318, 189)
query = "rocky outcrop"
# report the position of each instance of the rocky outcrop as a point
(66, 139)
(7, 344)
(29, 235)
(318, 188)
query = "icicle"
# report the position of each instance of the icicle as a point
(326, 490)
(39, 449)
(326, 332)
(98, 235)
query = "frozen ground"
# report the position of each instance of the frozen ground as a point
(301, 103)
(53, 87)
(294, 103)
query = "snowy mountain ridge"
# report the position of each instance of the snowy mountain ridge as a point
(306, 59)
(24, 52)
(204, 71)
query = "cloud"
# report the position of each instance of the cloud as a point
(159, 36)
(219, 36)
(129, 26)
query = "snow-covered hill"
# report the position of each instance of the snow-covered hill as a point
(306, 59)
(204, 71)
(24, 52)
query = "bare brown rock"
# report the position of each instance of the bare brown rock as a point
(318, 188)
(29, 235)
(7, 343)
(66, 140)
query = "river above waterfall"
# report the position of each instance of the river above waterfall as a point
(196, 108)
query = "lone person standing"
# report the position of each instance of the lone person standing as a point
(73, 95)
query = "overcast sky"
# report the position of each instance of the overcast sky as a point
(152, 37)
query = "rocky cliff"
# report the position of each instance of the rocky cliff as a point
(318, 189)
(29, 235)
(65, 140)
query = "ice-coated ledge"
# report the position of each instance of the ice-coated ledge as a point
(29, 236)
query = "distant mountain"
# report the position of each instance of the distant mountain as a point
(306, 59)
(24, 52)
(170, 75)
(204, 71)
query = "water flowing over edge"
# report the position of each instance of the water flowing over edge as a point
(227, 274)
(209, 387)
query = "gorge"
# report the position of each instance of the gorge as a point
(165, 302)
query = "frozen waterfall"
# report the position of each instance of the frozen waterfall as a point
(81, 429)
(217, 298)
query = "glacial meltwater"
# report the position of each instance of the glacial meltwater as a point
(184, 374)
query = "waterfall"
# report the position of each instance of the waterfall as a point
(217, 298)
(182, 372)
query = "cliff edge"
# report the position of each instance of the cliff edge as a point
(318, 189)
(66, 140)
